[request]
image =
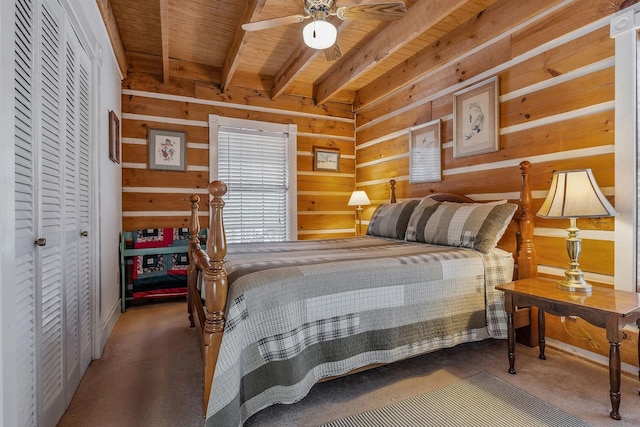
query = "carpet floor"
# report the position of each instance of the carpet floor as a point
(150, 375)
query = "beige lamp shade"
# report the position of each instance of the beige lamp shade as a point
(575, 194)
(359, 198)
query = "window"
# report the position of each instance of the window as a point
(257, 162)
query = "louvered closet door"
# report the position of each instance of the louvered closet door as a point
(76, 214)
(50, 374)
(26, 196)
(52, 211)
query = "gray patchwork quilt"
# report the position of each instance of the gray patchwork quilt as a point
(305, 310)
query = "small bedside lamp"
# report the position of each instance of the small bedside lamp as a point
(359, 198)
(575, 194)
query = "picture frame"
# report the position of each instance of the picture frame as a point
(167, 150)
(425, 158)
(114, 137)
(326, 159)
(475, 119)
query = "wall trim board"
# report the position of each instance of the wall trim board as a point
(329, 174)
(172, 190)
(107, 327)
(573, 114)
(562, 78)
(584, 234)
(310, 213)
(327, 136)
(134, 141)
(600, 23)
(161, 119)
(134, 214)
(189, 168)
(182, 98)
(383, 160)
(334, 231)
(588, 355)
(382, 139)
(310, 154)
(590, 277)
(562, 155)
(324, 193)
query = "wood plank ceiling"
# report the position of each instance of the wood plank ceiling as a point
(176, 35)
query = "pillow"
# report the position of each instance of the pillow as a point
(419, 217)
(391, 219)
(476, 226)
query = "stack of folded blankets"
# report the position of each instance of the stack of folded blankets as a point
(156, 275)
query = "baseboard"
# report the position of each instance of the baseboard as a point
(588, 355)
(107, 327)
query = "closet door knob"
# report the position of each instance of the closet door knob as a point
(40, 242)
(84, 233)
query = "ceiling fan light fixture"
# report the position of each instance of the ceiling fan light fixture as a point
(319, 34)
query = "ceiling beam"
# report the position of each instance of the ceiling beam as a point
(419, 18)
(114, 35)
(494, 21)
(164, 32)
(301, 58)
(251, 10)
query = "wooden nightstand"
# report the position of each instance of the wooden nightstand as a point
(605, 308)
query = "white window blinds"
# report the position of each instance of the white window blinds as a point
(254, 165)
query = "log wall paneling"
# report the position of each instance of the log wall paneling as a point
(148, 104)
(556, 110)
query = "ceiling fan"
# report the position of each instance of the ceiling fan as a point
(321, 34)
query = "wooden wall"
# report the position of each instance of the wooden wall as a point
(153, 198)
(555, 65)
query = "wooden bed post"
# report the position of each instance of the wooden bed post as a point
(527, 259)
(192, 272)
(216, 286)
(392, 191)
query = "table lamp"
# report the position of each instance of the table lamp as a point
(359, 198)
(575, 194)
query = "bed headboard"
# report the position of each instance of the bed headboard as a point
(518, 239)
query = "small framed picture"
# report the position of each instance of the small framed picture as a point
(114, 137)
(424, 153)
(326, 159)
(475, 119)
(166, 150)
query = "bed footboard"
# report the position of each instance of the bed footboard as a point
(209, 266)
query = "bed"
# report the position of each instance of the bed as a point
(279, 317)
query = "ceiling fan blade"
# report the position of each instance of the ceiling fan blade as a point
(332, 53)
(275, 22)
(379, 11)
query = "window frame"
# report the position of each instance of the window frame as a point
(215, 122)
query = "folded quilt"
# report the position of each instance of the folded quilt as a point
(160, 237)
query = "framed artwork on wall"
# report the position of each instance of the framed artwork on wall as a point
(424, 153)
(326, 159)
(166, 150)
(114, 137)
(475, 119)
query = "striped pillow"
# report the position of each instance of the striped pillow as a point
(391, 219)
(419, 217)
(476, 226)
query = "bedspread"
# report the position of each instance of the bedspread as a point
(301, 311)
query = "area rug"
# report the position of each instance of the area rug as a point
(480, 400)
